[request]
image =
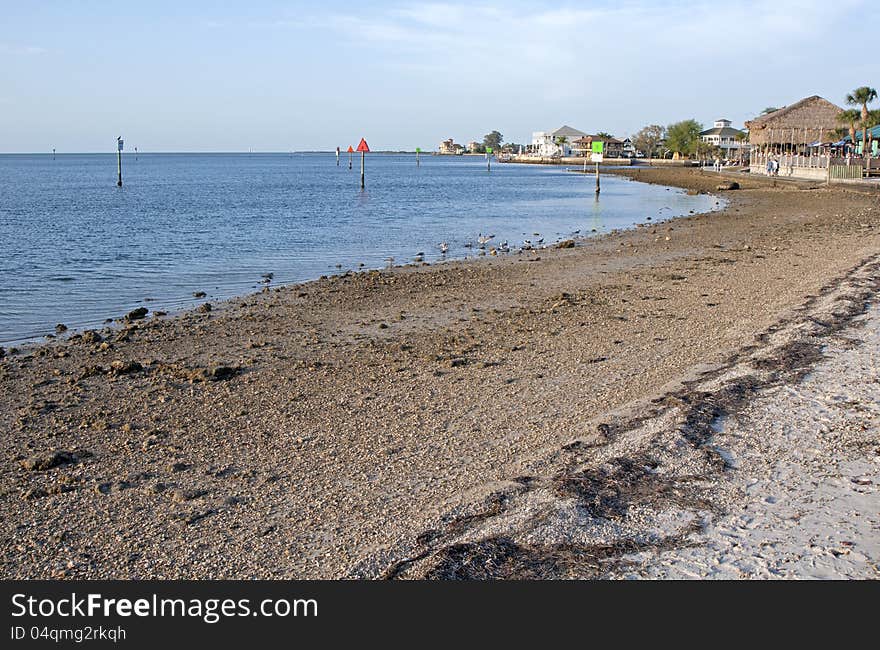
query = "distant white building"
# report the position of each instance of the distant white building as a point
(723, 136)
(555, 143)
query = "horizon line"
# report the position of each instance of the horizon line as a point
(81, 153)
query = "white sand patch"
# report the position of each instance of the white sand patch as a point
(806, 461)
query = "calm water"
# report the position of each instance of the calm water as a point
(76, 249)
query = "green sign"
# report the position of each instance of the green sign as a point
(488, 149)
(418, 150)
(598, 147)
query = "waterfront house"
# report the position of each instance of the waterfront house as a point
(726, 138)
(612, 147)
(450, 148)
(474, 147)
(812, 119)
(547, 143)
(581, 146)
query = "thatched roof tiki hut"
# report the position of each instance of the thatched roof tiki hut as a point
(795, 127)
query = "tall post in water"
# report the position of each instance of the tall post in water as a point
(488, 159)
(350, 153)
(119, 161)
(337, 156)
(597, 147)
(363, 148)
(418, 152)
(53, 153)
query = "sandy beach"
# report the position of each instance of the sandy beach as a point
(595, 411)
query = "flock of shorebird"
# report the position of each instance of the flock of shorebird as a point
(483, 245)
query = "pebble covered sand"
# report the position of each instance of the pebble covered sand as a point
(595, 411)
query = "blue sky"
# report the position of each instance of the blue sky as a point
(277, 76)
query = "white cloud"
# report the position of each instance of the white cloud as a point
(540, 45)
(610, 65)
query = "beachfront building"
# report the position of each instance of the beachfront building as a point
(555, 143)
(795, 127)
(474, 147)
(581, 146)
(873, 141)
(612, 147)
(800, 141)
(729, 140)
(450, 148)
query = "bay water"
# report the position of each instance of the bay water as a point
(76, 249)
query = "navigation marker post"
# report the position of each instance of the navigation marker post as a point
(363, 148)
(350, 152)
(597, 157)
(418, 151)
(337, 156)
(488, 159)
(119, 161)
(53, 153)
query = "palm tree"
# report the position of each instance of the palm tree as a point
(741, 138)
(863, 96)
(850, 119)
(705, 151)
(561, 140)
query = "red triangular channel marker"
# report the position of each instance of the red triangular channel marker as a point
(350, 150)
(363, 146)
